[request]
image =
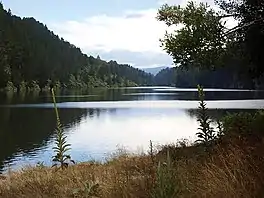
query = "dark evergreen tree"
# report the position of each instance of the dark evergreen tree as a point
(31, 53)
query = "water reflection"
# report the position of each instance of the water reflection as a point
(130, 94)
(23, 131)
(98, 120)
(166, 104)
(217, 114)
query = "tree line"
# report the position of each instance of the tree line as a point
(33, 57)
(204, 51)
(224, 77)
(207, 52)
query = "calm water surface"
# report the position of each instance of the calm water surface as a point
(99, 121)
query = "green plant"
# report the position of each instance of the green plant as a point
(151, 151)
(62, 146)
(10, 87)
(34, 87)
(166, 186)
(40, 165)
(220, 132)
(89, 189)
(206, 134)
(244, 125)
(23, 87)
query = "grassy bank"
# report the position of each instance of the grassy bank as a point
(232, 170)
(228, 162)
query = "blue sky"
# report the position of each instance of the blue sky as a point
(62, 10)
(121, 30)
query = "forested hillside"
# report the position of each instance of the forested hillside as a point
(226, 77)
(33, 57)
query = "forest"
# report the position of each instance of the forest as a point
(225, 77)
(32, 58)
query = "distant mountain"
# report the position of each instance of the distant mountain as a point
(154, 70)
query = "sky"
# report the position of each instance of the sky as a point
(122, 30)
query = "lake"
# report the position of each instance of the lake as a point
(100, 121)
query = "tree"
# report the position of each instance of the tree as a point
(203, 41)
(30, 54)
(250, 29)
(199, 37)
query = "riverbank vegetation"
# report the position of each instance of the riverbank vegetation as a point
(227, 158)
(226, 161)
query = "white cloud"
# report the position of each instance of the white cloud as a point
(136, 59)
(132, 37)
(136, 31)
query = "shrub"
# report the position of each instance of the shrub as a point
(244, 125)
(34, 86)
(10, 87)
(23, 87)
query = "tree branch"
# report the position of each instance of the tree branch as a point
(243, 26)
(228, 15)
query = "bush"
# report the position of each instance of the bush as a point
(244, 125)
(10, 87)
(23, 87)
(34, 86)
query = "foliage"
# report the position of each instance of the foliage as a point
(198, 40)
(23, 86)
(62, 147)
(89, 189)
(189, 78)
(201, 39)
(246, 125)
(151, 151)
(220, 132)
(40, 165)
(166, 186)
(34, 86)
(10, 87)
(31, 53)
(206, 135)
(249, 31)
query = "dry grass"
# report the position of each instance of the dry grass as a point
(233, 171)
(122, 177)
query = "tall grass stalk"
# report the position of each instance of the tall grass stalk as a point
(166, 186)
(61, 146)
